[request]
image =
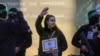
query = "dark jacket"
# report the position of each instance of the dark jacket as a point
(23, 35)
(23, 41)
(7, 39)
(77, 40)
(61, 41)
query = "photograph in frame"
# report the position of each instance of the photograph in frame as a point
(49, 43)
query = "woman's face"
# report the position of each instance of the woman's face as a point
(51, 22)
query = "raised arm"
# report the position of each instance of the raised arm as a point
(38, 22)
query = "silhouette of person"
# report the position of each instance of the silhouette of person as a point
(22, 31)
(91, 32)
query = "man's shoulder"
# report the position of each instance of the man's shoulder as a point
(84, 26)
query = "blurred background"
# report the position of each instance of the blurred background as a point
(70, 15)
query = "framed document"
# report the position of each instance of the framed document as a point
(49, 43)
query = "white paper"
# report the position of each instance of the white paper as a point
(90, 35)
(51, 43)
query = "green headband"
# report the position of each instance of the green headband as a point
(92, 14)
(11, 12)
(1, 11)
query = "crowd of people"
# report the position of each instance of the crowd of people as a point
(16, 35)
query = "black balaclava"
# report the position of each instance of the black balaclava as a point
(93, 17)
(3, 11)
(13, 13)
(17, 15)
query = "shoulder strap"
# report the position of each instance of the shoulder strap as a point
(52, 34)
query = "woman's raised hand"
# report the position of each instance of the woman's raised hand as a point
(44, 11)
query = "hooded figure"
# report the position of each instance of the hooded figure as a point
(22, 31)
(91, 32)
(7, 40)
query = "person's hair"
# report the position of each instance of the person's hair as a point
(46, 25)
(3, 11)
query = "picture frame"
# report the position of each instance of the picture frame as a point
(49, 43)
